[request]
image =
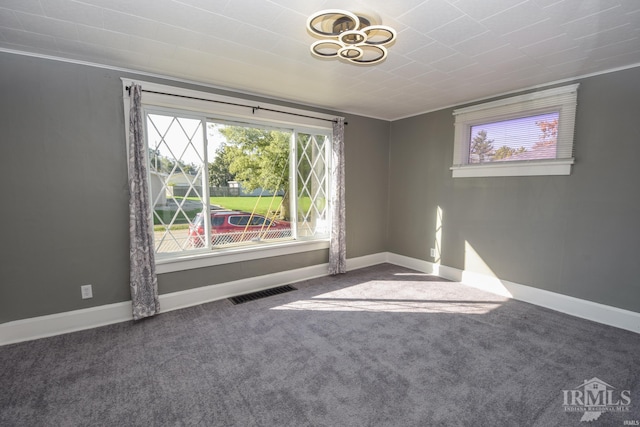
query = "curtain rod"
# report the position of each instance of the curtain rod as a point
(253, 108)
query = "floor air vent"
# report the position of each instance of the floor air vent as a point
(261, 294)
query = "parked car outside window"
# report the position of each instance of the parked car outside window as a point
(229, 227)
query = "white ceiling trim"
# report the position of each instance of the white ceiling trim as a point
(315, 107)
(321, 111)
(526, 89)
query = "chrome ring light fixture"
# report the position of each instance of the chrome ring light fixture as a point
(348, 36)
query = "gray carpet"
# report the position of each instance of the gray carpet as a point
(380, 346)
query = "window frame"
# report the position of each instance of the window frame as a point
(560, 99)
(235, 110)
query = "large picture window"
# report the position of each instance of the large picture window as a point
(529, 134)
(223, 181)
(217, 184)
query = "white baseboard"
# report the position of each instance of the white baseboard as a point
(77, 320)
(191, 297)
(62, 323)
(204, 294)
(608, 315)
(71, 321)
(413, 263)
(366, 261)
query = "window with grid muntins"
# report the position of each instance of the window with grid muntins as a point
(194, 209)
(231, 180)
(176, 167)
(312, 184)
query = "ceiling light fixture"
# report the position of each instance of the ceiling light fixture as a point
(348, 36)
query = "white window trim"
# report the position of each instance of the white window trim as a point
(561, 99)
(200, 259)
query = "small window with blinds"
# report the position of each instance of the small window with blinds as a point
(529, 134)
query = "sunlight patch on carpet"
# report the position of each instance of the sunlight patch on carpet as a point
(401, 297)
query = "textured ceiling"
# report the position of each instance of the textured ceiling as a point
(447, 52)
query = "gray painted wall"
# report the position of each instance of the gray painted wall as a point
(577, 235)
(64, 213)
(64, 209)
(367, 182)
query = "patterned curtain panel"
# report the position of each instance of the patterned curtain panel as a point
(338, 247)
(142, 275)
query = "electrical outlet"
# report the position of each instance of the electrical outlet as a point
(433, 252)
(87, 291)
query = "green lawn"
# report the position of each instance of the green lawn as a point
(247, 204)
(179, 224)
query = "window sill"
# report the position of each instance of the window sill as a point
(171, 263)
(533, 168)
